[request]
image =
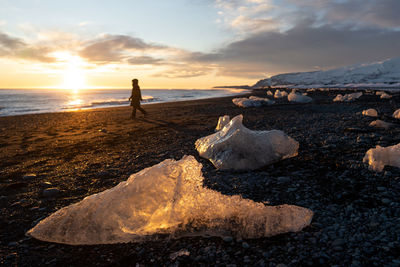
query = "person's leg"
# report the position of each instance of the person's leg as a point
(133, 113)
(142, 110)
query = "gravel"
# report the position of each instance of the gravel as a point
(357, 211)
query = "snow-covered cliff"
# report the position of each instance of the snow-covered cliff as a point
(385, 73)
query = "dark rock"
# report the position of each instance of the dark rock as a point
(51, 192)
(29, 176)
(228, 239)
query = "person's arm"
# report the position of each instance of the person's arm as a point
(140, 95)
(130, 98)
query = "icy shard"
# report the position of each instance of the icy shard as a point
(378, 157)
(299, 98)
(167, 198)
(280, 94)
(347, 97)
(381, 124)
(222, 121)
(252, 101)
(396, 114)
(385, 96)
(236, 147)
(370, 112)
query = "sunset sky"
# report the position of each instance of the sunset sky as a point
(187, 43)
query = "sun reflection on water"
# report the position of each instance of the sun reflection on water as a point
(75, 101)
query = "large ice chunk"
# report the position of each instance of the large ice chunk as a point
(252, 101)
(385, 96)
(347, 97)
(166, 198)
(299, 98)
(236, 147)
(280, 94)
(378, 157)
(222, 121)
(370, 112)
(381, 124)
(396, 114)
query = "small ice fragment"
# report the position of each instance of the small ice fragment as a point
(280, 94)
(381, 124)
(299, 98)
(347, 97)
(379, 157)
(396, 114)
(252, 101)
(168, 198)
(180, 253)
(222, 121)
(370, 112)
(236, 147)
(385, 96)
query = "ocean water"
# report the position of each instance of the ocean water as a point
(28, 101)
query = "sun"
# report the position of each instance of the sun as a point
(73, 72)
(74, 79)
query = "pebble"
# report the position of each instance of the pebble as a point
(246, 259)
(228, 239)
(283, 179)
(338, 242)
(356, 211)
(51, 192)
(12, 244)
(29, 176)
(46, 184)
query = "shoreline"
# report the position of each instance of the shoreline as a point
(85, 152)
(144, 103)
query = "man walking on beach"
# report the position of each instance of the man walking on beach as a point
(135, 98)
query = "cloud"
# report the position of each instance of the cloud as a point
(301, 35)
(16, 48)
(246, 17)
(8, 42)
(375, 13)
(301, 48)
(85, 23)
(116, 48)
(145, 60)
(184, 71)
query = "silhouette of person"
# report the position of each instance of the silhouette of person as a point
(135, 99)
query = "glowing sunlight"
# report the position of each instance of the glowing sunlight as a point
(73, 74)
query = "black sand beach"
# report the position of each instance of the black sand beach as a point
(357, 211)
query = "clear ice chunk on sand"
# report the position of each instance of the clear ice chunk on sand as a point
(238, 148)
(299, 98)
(396, 114)
(347, 97)
(370, 112)
(280, 94)
(381, 124)
(252, 101)
(379, 157)
(222, 121)
(168, 198)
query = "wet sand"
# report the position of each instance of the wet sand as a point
(85, 152)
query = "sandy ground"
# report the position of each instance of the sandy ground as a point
(85, 152)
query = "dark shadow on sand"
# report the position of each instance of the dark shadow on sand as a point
(167, 124)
